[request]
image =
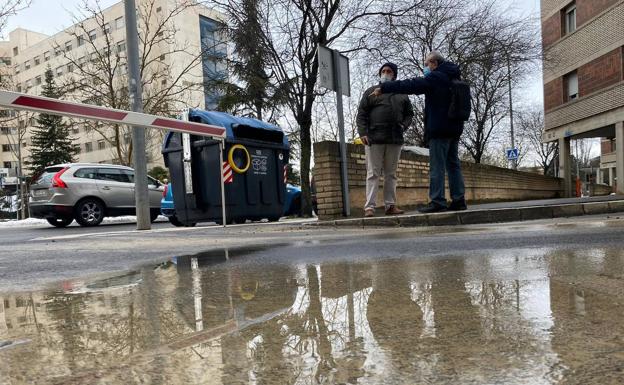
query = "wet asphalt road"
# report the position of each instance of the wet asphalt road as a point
(532, 303)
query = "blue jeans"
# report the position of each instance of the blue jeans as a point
(444, 154)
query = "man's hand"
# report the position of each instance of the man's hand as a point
(376, 92)
(364, 140)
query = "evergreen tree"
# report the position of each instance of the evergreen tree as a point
(51, 143)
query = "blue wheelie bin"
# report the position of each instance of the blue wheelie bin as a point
(255, 157)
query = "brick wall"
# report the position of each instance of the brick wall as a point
(611, 98)
(589, 42)
(553, 94)
(606, 146)
(587, 9)
(551, 29)
(600, 73)
(483, 183)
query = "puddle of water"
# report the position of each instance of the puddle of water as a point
(539, 317)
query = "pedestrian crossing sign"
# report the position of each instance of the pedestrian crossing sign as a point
(512, 154)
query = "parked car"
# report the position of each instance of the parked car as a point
(88, 192)
(292, 206)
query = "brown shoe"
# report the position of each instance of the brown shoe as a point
(369, 213)
(393, 210)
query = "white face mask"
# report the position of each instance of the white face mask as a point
(385, 78)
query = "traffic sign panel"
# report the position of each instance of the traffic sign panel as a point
(513, 154)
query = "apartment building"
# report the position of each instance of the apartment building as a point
(186, 53)
(583, 44)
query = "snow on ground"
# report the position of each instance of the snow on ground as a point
(34, 222)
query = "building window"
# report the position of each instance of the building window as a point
(162, 57)
(57, 51)
(15, 51)
(6, 148)
(38, 80)
(18, 88)
(46, 55)
(570, 81)
(7, 165)
(121, 47)
(570, 19)
(37, 60)
(28, 84)
(92, 35)
(119, 23)
(4, 130)
(106, 28)
(59, 71)
(17, 69)
(101, 144)
(80, 40)
(70, 68)
(158, 9)
(33, 122)
(26, 65)
(88, 147)
(68, 46)
(75, 130)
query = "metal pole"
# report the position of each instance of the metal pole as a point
(221, 149)
(514, 162)
(20, 192)
(138, 133)
(346, 209)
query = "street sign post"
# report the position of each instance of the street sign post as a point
(334, 75)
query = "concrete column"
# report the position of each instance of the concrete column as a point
(564, 166)
(611, 177)
(619, 156)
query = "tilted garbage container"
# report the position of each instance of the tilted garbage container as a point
(255, 158)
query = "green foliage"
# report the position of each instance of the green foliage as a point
(159, 173)
(51, 142)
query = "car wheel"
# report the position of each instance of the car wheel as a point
(154, 215)
(89, 212)
(60, 222)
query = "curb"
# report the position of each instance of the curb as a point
(483, 216)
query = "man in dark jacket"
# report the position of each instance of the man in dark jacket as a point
(441, 133)
(381, 121)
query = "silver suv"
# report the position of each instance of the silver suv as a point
(88, 192)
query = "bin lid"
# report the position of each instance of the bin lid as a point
(240, 127)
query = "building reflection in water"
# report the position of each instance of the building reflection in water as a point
(216, 318)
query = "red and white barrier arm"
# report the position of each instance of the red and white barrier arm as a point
(19, 101)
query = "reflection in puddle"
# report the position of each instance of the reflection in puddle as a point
(541, 317)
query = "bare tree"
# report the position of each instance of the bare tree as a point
(531, 127)
(100, 73)
(491, 50)
(9, 8)
(292, 31)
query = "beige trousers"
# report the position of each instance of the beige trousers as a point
(381, 159)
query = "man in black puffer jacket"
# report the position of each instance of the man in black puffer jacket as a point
(441, 133)
(381, 122)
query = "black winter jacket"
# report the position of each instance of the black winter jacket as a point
(436, 88)
(384, 118)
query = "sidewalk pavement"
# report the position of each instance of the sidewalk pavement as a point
(494, 213)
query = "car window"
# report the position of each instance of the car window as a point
(47, 175)
(87, 173)
(113, 174)
(129, 174)
(152, 182)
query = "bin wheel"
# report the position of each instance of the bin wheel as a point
(176, 222)
(229, 221)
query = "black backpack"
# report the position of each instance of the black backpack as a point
(459, 108)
